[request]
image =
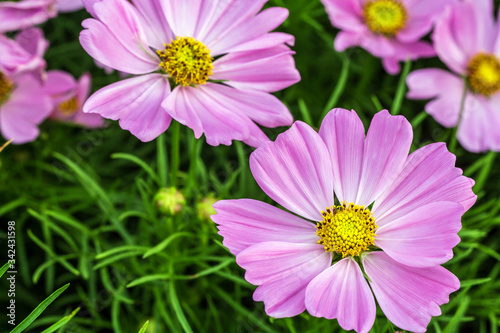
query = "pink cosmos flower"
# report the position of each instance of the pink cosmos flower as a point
(24, 54)
(395, 216)
(25, 13)
(467, 41)
(23, 105)
(68, 96)
(388, 29)
(210, 65)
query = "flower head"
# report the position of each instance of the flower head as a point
(170, 200)
(210, 65)
(388, 29)
(68, 96)
(466, 40)
(364, 206)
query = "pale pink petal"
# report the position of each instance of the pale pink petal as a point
(478, 128)
(485, 13)
(24, 54)
(154, 22)
(33, 41)
(24, 14)
(296, 171)
(283, 271)
(269, 40)
(246, 222)
(345, 40)
(344, 135)
(378, 45)
(267, 70)
(412, 51)
(136, 102)
(424, 237)
(416, 28)
(60, 85)
(429, 175)
(391, 65)
(256, 137)
(89, 6)
(345, 14)
(341, 292)
(445, 86)
(200, 109)
(83, 87)
(66, 6)
(387, 146)
(263, 108)
(408, 296)
(248, 30)
(455, 36)
(27, 106)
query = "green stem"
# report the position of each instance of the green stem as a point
(161, 160)
(453, 142)
(174, 152)
(339, 88)
(400, 92)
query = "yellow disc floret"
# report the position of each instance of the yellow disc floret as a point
(187, 60)
(347, 229)
(6, 87)
(484, 74)
(385, 17)
(68, 107)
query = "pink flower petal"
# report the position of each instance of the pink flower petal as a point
(261, 107)
(24, 54)
(424, 237)
(119, 44)
(341, 292)
(345, 14)
(136, 102)
(269, 40)
(24, 14)
(283, 271)
(429, 175)
(408, 296)
(249, 30)
(203, 110)
(267, 70)
(153, 20)
(387, 146)
(344, 135)
(67, 6)
(478, 128)
(455, 36)
(295, 171)
(391, 65)
(447, 87)
(60, 85)
(246, 222)
(21, 113)
(344, 40)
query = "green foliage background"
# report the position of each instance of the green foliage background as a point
(85, 215)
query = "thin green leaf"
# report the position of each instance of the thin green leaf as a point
(62, 322)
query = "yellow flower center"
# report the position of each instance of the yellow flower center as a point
(346, 229)
(69, 107)
(484, 74)
(386, 17)
(6, 87)
(187, 60)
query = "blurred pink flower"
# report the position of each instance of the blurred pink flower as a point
(66, 6)
(467, 41)
(388, 29)
(24, 104)
(17, 15)
(24, 54)
(210, 65)
(68, 96)
(397, 215)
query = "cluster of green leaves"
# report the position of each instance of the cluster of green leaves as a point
(83, 202)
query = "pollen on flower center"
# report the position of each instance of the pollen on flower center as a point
(386, 17)
(6, 87)
(187, 60)
(347, 229)
(484, 74)
(68, 107)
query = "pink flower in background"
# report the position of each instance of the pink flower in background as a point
(24, 54)
(68, 96)
(388, 29)
(66, 6)
(210, 65)
(397, 215)
(17, 15)
(23, 106)
(467, 41)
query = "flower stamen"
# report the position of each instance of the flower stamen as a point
(6, 87)
(385, 17)
(347, 229)
(187, 60)
(68, 107)
(484, 74)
